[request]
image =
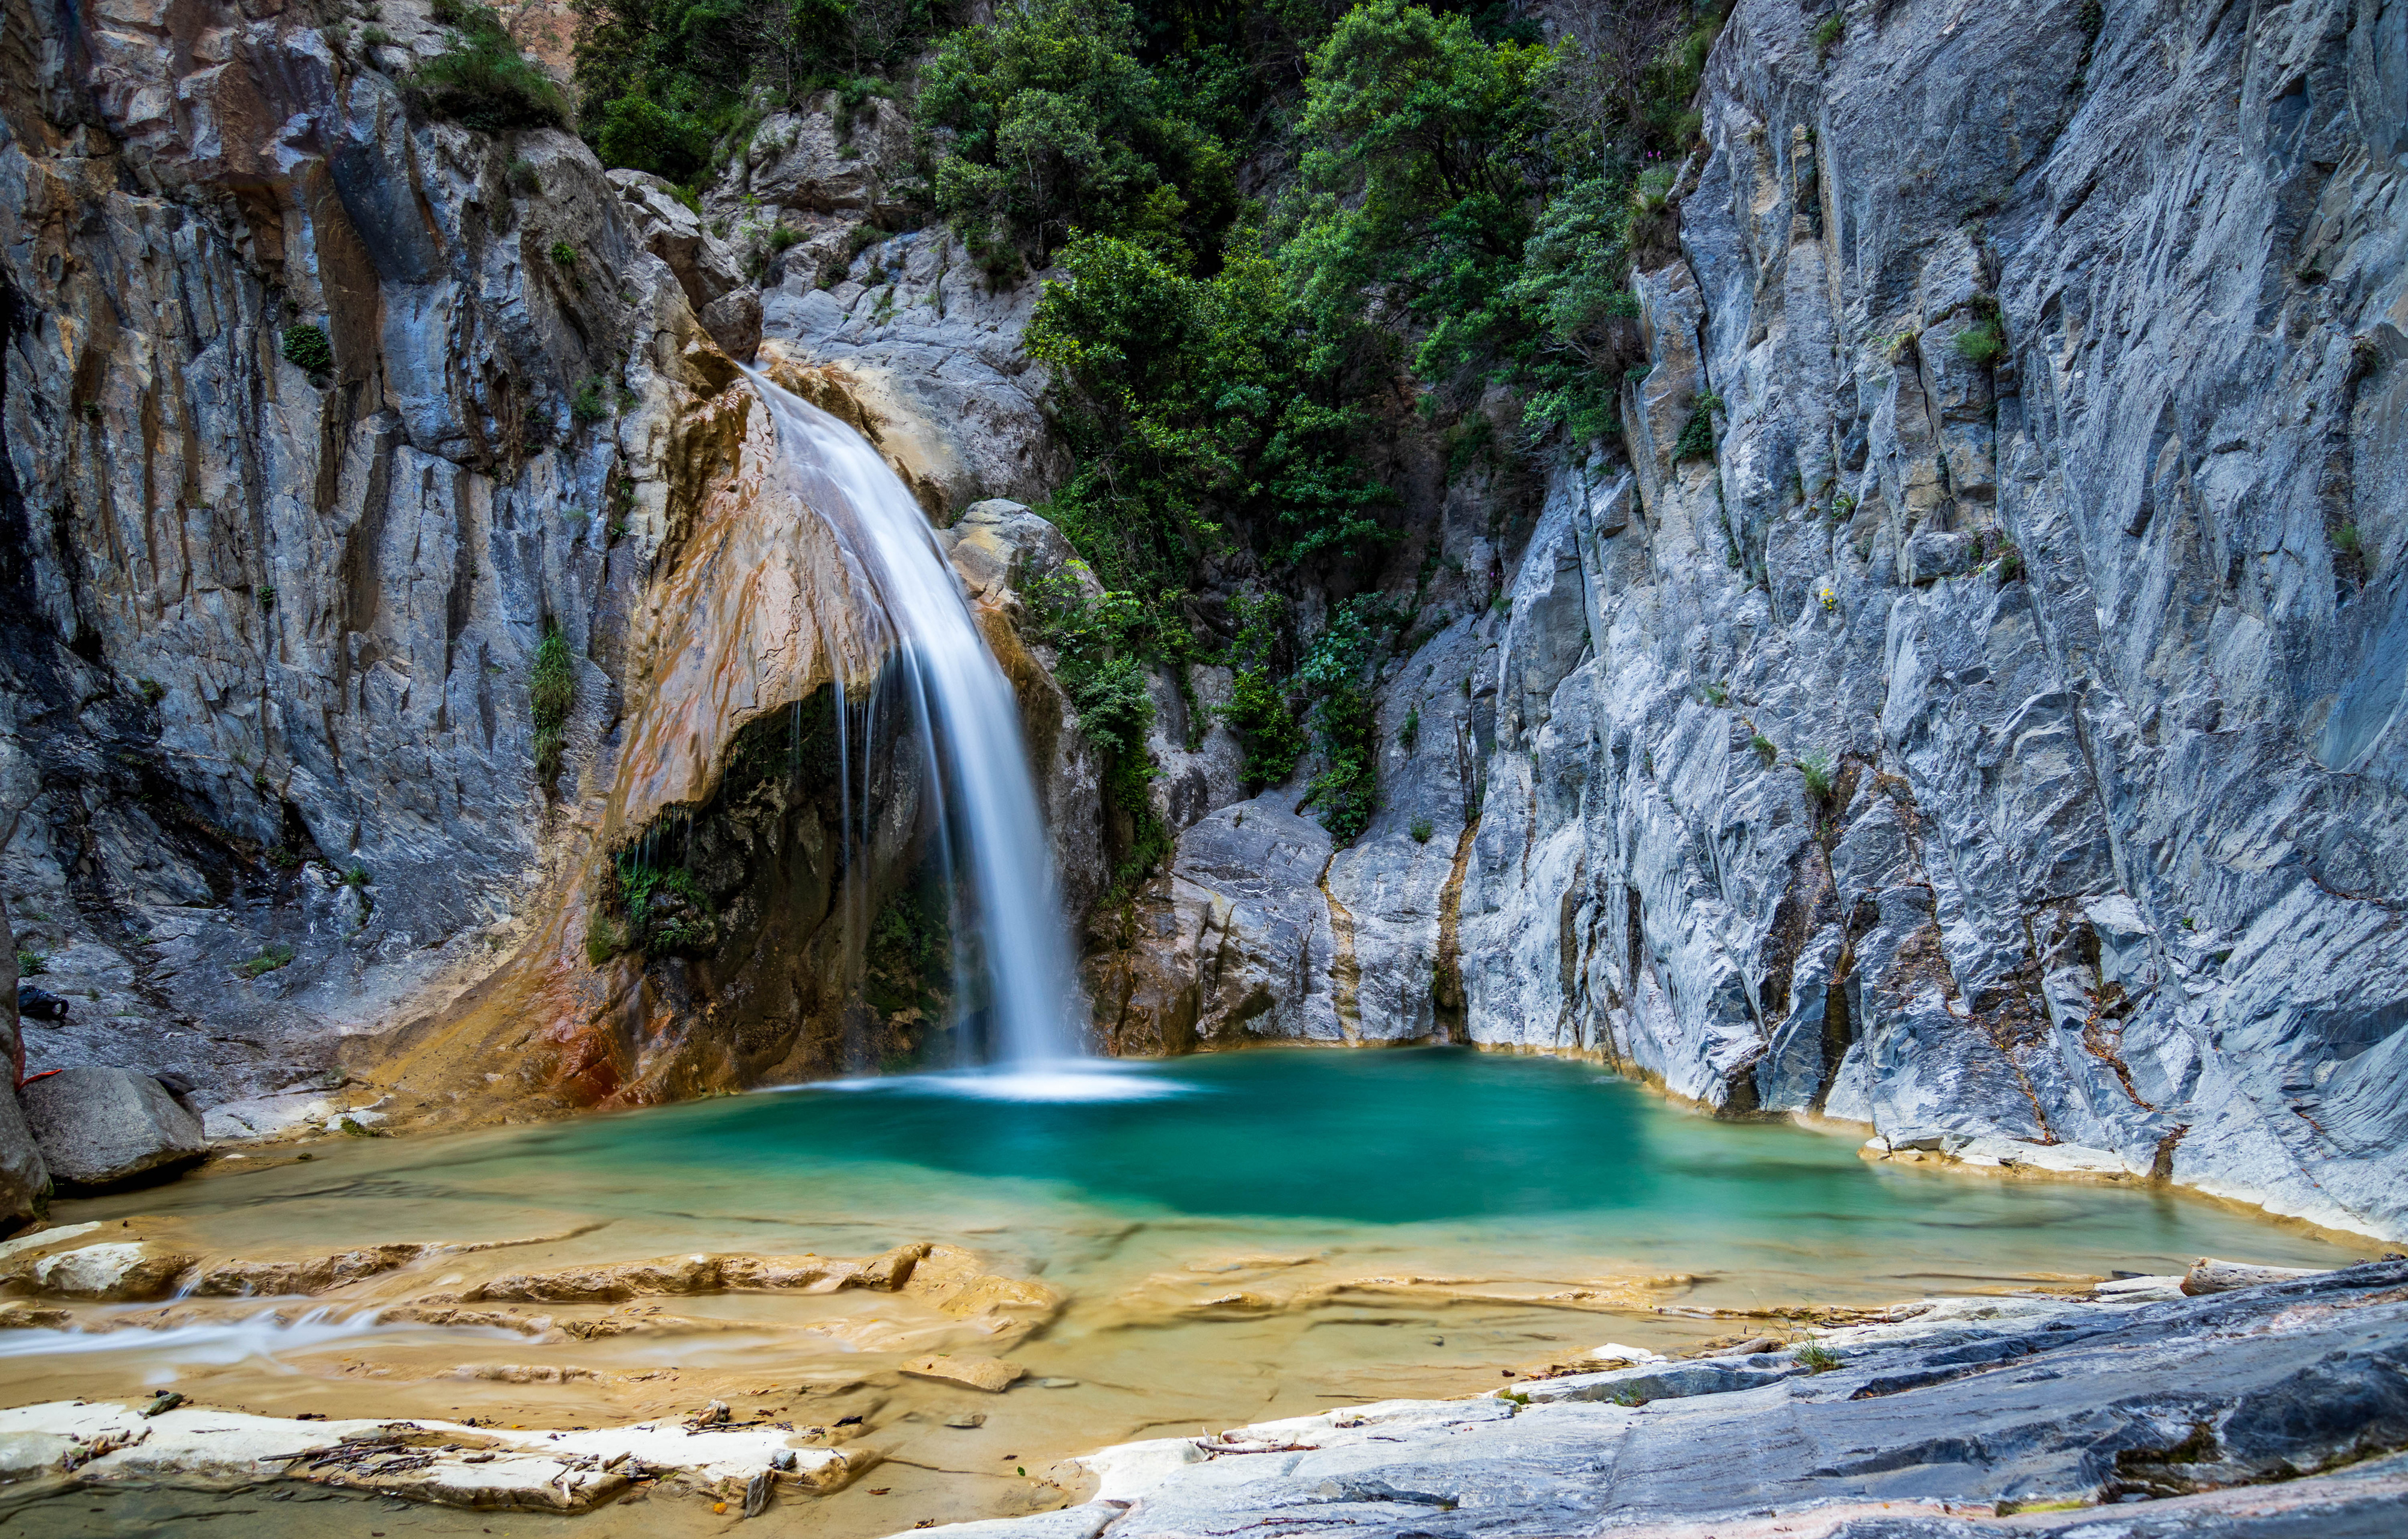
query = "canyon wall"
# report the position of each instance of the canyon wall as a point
(321, 416)
(1996, 738)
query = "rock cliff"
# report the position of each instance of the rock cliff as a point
(1970, 704)
(390, 541)
(1964, 701)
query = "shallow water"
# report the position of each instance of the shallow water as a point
(1241, 1235)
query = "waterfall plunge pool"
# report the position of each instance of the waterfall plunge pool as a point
(1239, 1236)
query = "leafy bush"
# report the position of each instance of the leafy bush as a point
(523, 178)
(641, 134)
(665, 85)
(1817, 770)
(1044, 122)
(1981, 344)
(305, 347)
(31, 964)
(564, 255)
(551, 688)
(1421, 830)
(1697, 439)
(1203, 412)
(483, 81)
(1816, 1359)
(1764, 747)
(590, 404)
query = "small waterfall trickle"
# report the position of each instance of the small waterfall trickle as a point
(989, 836)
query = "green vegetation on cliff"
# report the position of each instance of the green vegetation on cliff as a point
(1278, 230)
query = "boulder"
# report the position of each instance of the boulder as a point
(25, 1176)
(121, 1272)
(100, 1127)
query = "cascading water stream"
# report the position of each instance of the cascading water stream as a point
(989, 829)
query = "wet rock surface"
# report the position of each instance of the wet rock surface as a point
(2282, 1401)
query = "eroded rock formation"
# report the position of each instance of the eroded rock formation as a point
(1998, 734)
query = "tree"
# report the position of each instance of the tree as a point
(1044, 122)
(1426, 165)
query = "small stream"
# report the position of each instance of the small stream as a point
(1240, 1236)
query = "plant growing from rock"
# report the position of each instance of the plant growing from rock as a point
(551, 688)
(523, 178)
(1827, 36)
(1815, 768)
(1421, 830)
(1764, 746)
(590, 404)
(1981, 344)
(31, 964)
(1697, 439)
(1715, 695)
(305, 347)
(1817, 1358)
(483, 80)
(271, 958)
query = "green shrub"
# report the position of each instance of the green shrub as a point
(31, 964)
(564, 255)
(1827, 36)
(1697, 439)
(305, 347)
(483, 81)
(1046, 123)
(1421, 830)
(1981, 344)
(591, 403)
(1816, 1359)
(1411, 733)
(267, 598)
(2345, 539)
(1764, 747)
(376, 38)
(552, 690)
(151, 691)
(270, 959)
(355, 875)
(642, 135)
(1715, 694)
(1817, 770)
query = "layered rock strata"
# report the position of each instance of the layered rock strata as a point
(1970, 702)
(2277, 1410)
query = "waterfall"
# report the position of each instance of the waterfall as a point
(988, 828)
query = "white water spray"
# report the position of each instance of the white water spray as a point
(969, 731)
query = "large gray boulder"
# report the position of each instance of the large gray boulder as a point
(102, 1127)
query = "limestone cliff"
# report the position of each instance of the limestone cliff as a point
(1998, 734)
(321, 416)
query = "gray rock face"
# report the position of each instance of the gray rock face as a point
(933, 355)
(1998, 740)
(265, 695)
(101, 1127)
(1980, 1401)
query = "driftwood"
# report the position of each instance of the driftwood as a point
(2210, 1275)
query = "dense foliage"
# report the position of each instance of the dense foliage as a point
(1436, 201)
(482, 78)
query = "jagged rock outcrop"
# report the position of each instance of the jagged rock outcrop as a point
(2275, 1411)
(1997, 734)
(319, 417)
